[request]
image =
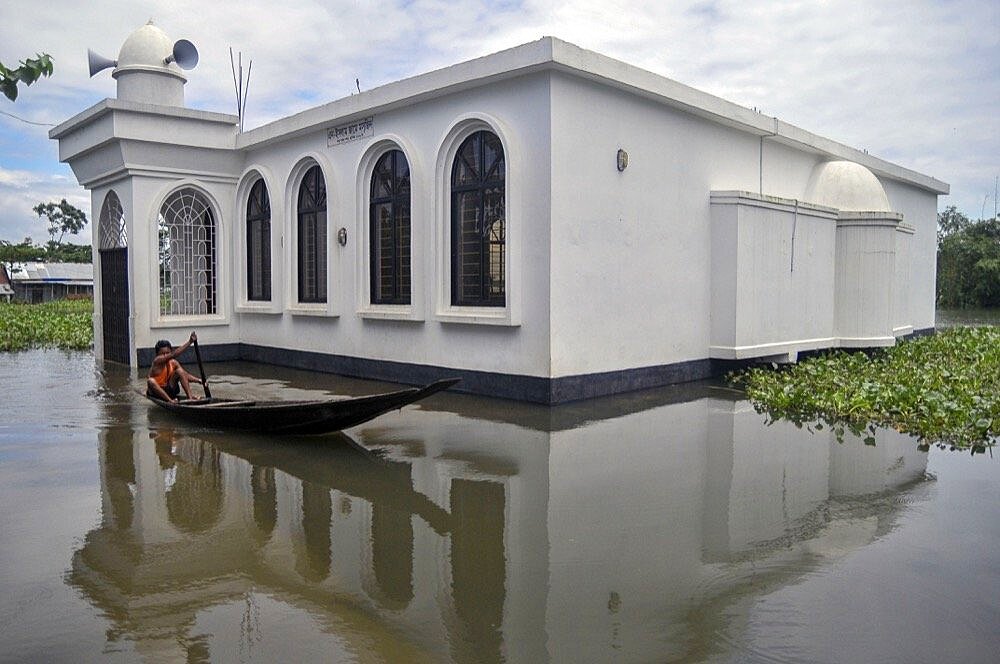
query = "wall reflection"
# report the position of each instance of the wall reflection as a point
(635, 529)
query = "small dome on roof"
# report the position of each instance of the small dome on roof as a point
(146, 49)
(847, 186)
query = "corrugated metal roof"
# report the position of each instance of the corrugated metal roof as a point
(75, 272)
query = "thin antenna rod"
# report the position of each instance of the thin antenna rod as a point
(239, 106)
(236, 87)
(240, 84)
(246, 93)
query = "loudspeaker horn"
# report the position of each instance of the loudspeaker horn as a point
(99, 62)
(185, 55)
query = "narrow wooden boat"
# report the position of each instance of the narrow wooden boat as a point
(297, 417)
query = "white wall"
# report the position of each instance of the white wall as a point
(902, 314)
(148, 194)
(919, 209)
(520, 106)
(772, 276)
(632, 251)
(866, 272)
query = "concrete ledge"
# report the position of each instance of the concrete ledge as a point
(506, 386)
(747, 198)
(923, 332)
(766, 350)
(588, 386)
(867, 342)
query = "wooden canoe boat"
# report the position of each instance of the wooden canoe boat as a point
(297, 417)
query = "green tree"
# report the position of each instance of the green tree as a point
(68, 253)
(951, 221)
(30, 70)
(27, 251)
(968, 273)
(63, 218)
(19, 253)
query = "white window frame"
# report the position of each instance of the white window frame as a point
(291, 225)
(221, 315)
(366, 165)
(444, 311)
(248, 179)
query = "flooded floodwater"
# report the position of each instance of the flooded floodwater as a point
(946, 318)
(667, 525)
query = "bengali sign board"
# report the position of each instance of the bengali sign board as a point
(352, 131)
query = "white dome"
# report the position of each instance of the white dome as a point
(847, 186)
(145, 50)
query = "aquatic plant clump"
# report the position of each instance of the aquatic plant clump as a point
(943, 389)
(66, 324)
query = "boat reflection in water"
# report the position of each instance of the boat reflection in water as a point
(631, 528)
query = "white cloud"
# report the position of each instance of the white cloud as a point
(916, 82)
(15, 179)
(20, 191)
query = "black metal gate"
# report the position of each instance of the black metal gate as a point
(114, 304)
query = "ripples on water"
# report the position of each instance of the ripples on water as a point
(670, 525)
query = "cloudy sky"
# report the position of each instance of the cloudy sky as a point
(912, 81)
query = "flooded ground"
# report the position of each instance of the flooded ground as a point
(668, 525)
(975, 317)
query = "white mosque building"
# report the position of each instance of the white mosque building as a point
(546, 222)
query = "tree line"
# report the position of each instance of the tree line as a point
(968, 261)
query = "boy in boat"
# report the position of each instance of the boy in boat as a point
(166, 376)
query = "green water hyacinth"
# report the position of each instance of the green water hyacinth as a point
(943, 389)
(63, 324)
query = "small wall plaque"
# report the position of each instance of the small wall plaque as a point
(352, 131)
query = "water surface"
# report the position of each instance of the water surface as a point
(668, 525)
(946, 318)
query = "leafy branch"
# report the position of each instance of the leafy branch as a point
(30, 70)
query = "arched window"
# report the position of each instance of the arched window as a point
(259, 243)
(312, 237)
(389, 219)
(111, 227)
(478, 223)
(187, 254)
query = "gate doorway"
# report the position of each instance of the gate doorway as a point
(113, 252)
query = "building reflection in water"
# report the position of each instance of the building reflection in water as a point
(631, 528)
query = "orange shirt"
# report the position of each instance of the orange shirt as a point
(163, 376)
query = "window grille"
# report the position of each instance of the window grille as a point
(389, 235)
(478, 222)
(111, 226)
(187, 254)
(259, 243)
(312, 237)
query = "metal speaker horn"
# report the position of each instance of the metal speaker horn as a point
(184, 54)
(99, 62)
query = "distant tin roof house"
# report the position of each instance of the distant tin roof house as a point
(42, 282)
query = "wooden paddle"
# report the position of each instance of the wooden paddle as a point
(201, 368)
